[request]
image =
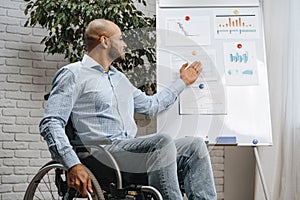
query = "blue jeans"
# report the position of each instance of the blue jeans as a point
(161, 157)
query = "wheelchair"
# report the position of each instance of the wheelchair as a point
(51, 180)
(111, 184)
(51, 183)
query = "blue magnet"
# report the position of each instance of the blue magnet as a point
(201, 86)
(255, 141)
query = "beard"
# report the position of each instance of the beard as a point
(116, 55)
(120, 58)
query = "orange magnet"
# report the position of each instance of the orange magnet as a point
(194, 52)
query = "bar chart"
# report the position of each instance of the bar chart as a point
(232, 25)
(236, 21)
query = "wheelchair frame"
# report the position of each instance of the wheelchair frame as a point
(62, 191)
(116, 190)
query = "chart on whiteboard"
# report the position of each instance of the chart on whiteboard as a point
(193, 28)
(236, 23)
(206, 95)
(240, 62)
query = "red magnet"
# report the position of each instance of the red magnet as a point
(239, 46)
(187, 18)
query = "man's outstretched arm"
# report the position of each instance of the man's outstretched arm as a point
(152, 105)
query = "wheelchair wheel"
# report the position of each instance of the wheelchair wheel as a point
(51, 183)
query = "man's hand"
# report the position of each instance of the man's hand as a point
(189, 74)
(79, 179)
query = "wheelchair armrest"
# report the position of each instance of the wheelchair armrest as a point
(79, 143)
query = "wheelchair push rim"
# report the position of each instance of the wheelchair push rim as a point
(45, 183)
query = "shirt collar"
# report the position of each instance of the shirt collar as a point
(87, 61)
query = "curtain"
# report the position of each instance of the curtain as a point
(281, 162)
(289, 187)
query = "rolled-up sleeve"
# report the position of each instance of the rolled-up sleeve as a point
(152, 105)
(57, 112)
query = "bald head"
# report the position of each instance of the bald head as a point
(97, 28)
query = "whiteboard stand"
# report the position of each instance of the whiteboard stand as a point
(261, 175)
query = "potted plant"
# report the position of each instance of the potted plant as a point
(66, 20)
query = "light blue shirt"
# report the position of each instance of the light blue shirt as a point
(101, 105)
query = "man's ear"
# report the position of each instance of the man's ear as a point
(104, 41)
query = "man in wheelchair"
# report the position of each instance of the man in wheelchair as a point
(100, 101)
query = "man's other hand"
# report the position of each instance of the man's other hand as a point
(79, 179)
(189, 74)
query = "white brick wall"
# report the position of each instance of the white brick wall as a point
(25, 76)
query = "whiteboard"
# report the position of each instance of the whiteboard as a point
(231, 96)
